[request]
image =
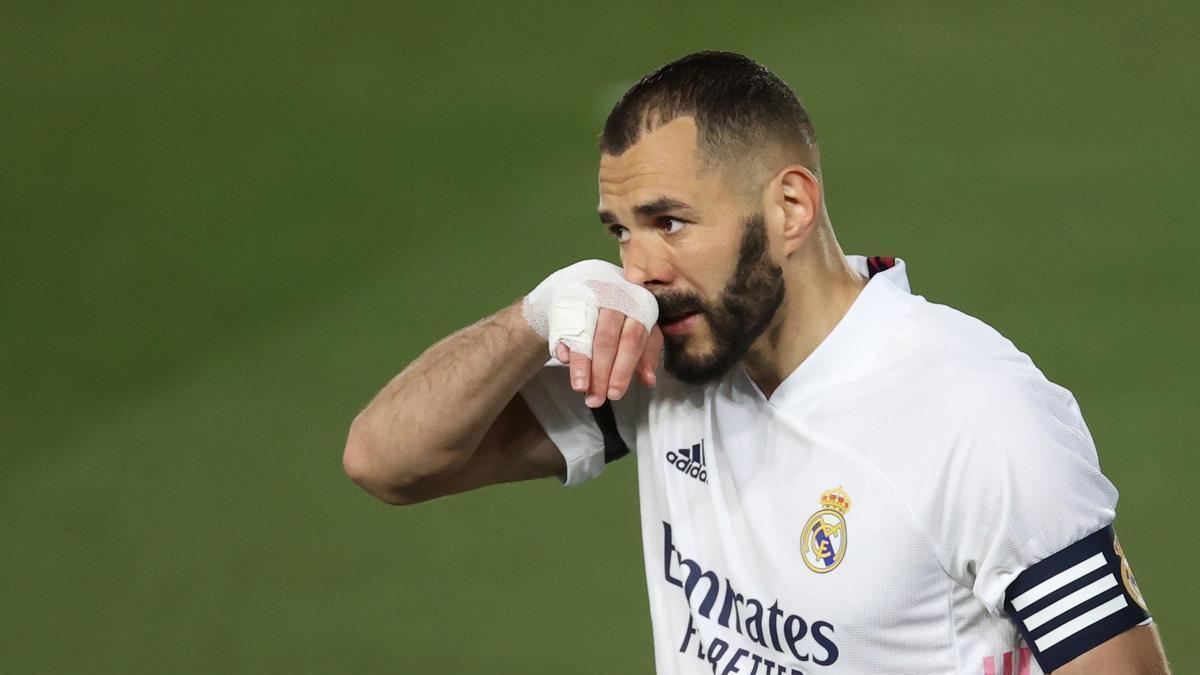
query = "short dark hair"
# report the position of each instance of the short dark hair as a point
(737, 103)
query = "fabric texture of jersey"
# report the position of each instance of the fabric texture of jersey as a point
(869, 516)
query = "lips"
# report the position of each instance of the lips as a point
(679, 323)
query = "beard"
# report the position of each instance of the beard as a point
(736, 319)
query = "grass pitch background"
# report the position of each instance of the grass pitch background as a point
(225, 225)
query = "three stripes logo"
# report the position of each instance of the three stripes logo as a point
(1075, 600)
(690, 461)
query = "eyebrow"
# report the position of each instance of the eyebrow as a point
(657, 207)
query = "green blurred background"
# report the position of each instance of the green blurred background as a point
(223, 226)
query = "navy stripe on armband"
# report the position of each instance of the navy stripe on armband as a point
(614, 445)
(1075, 600)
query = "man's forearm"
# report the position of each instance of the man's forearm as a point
(430, 418)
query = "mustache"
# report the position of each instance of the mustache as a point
(674, 305)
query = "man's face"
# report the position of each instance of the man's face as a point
(701, 248)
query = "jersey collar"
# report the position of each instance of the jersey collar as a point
(847, 351)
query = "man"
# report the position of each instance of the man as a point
(836, 476)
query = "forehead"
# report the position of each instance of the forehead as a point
(663, 162)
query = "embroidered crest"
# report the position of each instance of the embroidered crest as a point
(824, 539)
(1131, 584)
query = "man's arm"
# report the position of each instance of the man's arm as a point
(1137, 651)
(452, 420)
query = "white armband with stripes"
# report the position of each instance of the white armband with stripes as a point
(1075, 600)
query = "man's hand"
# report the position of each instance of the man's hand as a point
(599, 323)
(622, 346)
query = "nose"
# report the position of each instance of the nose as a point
(646, 263)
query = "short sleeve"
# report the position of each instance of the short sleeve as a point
(587, 438)
(1023, 482)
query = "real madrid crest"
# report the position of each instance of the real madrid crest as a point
(1131, 585)
(824, 539)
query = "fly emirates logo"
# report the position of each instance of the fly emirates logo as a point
(783, 636)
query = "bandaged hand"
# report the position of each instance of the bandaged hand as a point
(603, 326)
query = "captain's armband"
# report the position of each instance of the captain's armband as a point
(1075, 600)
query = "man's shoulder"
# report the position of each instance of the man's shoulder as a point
(946, 381)
(957, 359)
(993, 408)
(957, 415)
(952, 337)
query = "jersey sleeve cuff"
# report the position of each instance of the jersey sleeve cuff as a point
(1075, 600)
(582, 446)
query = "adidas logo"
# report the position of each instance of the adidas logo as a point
(690, 461)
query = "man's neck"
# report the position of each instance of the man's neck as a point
(819, 293)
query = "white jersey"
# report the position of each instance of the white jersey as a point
(915, 498)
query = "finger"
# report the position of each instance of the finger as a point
(604, 350)
(581, 370)
(562, 353)
(647, 366)
(629, 352)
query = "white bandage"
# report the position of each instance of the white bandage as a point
(564, 307)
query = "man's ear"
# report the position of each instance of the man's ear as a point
(796, 194)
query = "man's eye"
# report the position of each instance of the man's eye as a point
(620, 232)
(673, 225)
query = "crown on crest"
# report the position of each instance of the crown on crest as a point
(836, 500)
